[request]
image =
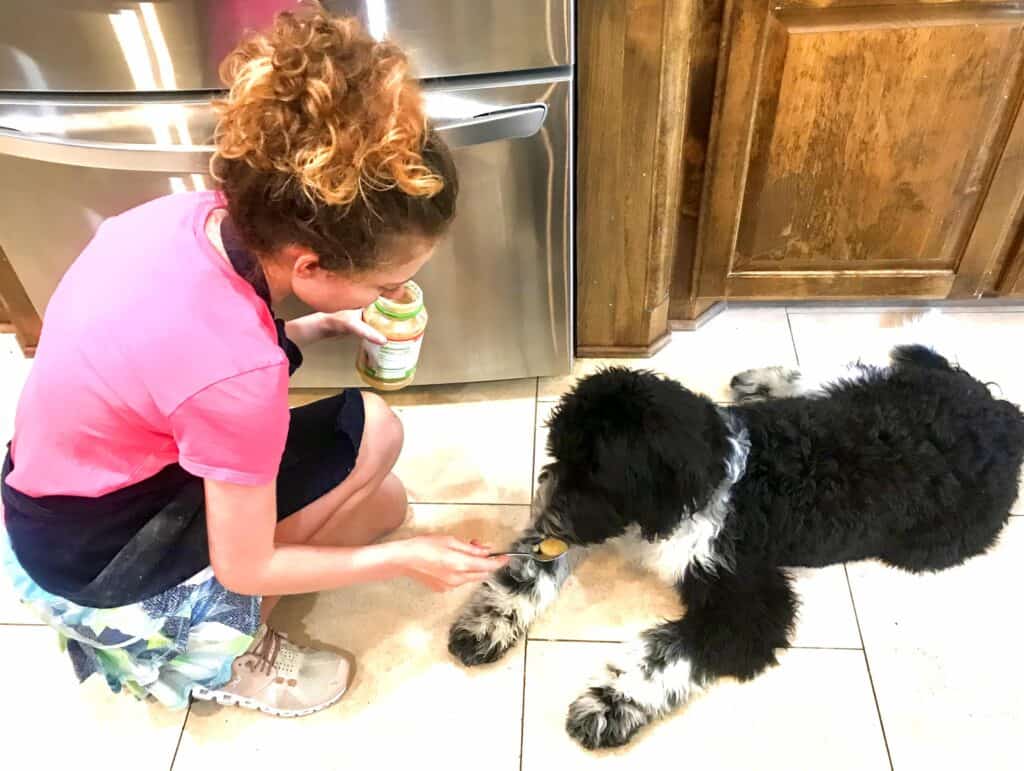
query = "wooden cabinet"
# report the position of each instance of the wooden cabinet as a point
(16, 311)
(783, 150)
(832, 149)
(632, 69)
(1011, 283)
(998, 236)
(862, 151)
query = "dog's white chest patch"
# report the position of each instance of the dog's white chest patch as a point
(669, 557)
(693, 541)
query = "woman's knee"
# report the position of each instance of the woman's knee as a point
(388, 507)
(380, 512)
(382, 431)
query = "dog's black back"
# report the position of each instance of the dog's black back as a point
(916, 464)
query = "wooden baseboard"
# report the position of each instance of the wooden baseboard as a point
(692, 325)
(623, 351)
(849, 286)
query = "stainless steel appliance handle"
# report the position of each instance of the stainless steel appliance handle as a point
(121, 156)
(507, 123)
(511, 123)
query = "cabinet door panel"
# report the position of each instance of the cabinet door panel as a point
(1012, 284)
(855, 146)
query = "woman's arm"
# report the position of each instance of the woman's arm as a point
(306, 329)
(317, 326)
(241, 522)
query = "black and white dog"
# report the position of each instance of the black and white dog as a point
(915, 464)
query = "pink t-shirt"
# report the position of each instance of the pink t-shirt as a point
(154, 351)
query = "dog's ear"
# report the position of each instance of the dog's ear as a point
(685, 443)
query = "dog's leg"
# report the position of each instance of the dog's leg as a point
(766, 383)
(927, 549)
(501, 610)
(733, 624)
(781, 383)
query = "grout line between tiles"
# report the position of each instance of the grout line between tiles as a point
(623, 642)
(468, 503)
(824, 648)
(30, 624)
(867, 664)
(573, 640)
(792, 338)
(181, 733)
(533, 454)
(522, 706)
(526, 642)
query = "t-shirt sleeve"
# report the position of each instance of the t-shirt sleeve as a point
(235, 430)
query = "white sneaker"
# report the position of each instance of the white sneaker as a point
(280, 678)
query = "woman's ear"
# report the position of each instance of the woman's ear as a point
(305, 264)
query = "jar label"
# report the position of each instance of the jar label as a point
(394, 360)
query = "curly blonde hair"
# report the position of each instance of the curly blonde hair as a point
(317, 109)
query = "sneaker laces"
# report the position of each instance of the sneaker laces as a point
(273, 653)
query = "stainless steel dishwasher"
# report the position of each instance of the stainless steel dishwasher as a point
(105, 104)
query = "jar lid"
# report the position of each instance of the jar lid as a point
(409, 306)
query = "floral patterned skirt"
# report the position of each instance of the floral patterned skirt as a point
(160, 647)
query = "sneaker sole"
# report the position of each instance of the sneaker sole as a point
(231, 700)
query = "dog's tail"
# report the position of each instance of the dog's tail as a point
(930, 341)
(919, 356)
(922, 357)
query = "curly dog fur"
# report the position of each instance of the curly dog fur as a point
(916, 464)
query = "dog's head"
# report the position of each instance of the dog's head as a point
(629, 448)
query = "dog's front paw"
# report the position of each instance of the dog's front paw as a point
(488, 626)
(603, 717)
(765, 383)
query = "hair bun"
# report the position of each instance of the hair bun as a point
(318, 99)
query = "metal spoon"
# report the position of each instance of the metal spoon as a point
(536, 556)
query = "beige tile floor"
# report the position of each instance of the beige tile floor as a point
(888, 670)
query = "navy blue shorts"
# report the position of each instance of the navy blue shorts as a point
(137, 542)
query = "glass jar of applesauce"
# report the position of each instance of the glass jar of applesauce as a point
(392, 365)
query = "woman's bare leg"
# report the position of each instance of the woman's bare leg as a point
(370, 502)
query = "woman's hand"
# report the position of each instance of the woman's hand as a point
(441, 562)
(318, 326)
(351, 323)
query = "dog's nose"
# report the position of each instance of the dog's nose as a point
(736, 381)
